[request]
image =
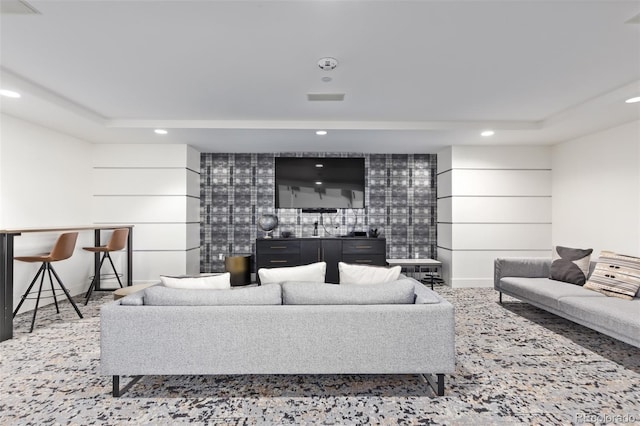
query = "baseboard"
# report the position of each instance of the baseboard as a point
(471, 282)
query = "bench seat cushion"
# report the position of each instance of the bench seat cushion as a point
(545, 290)
(616, 315)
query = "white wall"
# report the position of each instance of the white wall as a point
(46, 181)
(596, 191)
(493, 201)
(156, 188)
(50, 179)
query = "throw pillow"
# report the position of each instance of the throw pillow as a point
(295, 293)
(210, 282)
(314, 272)
(570, 265)
(365, 274)
(616, 275)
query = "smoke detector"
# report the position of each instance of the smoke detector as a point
(327, 64)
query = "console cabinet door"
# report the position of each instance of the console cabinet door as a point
(365, 251)
(274, 253)
(310, 251)
(322, 250)
(331, 251)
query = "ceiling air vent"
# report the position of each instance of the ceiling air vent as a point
(17, 7)
(325, 96)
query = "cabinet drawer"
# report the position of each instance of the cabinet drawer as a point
(370, 246)
(365, 259)
(277, 260)
(278, 246)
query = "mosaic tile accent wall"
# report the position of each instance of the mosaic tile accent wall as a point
(236, 189)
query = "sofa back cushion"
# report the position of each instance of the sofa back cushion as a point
(165, 296)
(303, 293)
(314, 272)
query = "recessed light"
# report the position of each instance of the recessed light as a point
(161, 131)
(319, 165)
(9, 93)
(318, 182)
(321, 132)
(633, 100)
(487, 133)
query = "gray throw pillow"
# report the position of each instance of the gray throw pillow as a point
(570, 265)
(304, 293)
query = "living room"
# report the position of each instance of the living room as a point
(563, 171)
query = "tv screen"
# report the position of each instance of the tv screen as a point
(319, 183)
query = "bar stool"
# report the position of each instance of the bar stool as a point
(117, 241)
(62, 249)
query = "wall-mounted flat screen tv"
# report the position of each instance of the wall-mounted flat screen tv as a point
(314, 183)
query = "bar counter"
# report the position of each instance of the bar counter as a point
(7, 237)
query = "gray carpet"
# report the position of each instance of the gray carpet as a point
(516, 364)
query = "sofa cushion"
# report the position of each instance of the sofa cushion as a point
(544, 290)
(570, 265)
(366, 274)
(301, 293)
(314, 272)
(211, 282)
(620, 317)
(166, 296)
(616, 275)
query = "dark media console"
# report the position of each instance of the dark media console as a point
(279, 252)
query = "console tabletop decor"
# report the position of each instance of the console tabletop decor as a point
(6, 266)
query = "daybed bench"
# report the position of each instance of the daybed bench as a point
(527, 279)
(400, 327)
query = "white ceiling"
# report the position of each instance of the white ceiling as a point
(233, 76)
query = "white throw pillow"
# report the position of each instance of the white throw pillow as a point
(313, 272)
(210, 282)
(365, 274)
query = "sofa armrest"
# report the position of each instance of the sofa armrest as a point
(533, 267)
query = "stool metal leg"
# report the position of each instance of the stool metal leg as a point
(35, 311)
(26, 293)
(66, 292)
(93, 281)
(53, 290)
(114, 268)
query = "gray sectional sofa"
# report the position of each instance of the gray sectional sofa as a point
(289, 328)
(527, 279)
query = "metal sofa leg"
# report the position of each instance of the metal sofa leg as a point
(500, 298)
(116, 391)
(436, 384)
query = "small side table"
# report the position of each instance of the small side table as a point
(239, 265)
(125, 291)
(433, 269)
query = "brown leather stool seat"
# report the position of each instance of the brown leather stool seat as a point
(117, 242)
(62, 249)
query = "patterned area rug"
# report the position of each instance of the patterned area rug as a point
(516, 364)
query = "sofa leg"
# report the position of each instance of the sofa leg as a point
(116, 391)
(437, 385)
(500, 298)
